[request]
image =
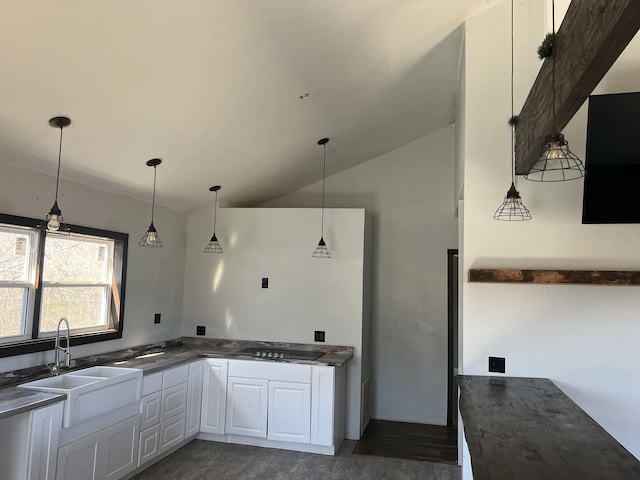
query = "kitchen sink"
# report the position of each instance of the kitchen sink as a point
(92, 391)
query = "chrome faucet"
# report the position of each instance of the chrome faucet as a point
(55, 368)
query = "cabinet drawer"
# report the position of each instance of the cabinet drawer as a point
(149, 444)
(172, 432)
(283, 372)
(150, 410)
(151, 383)
(174, 401)
(174, 376)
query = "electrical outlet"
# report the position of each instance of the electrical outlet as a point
(156, 318)
(265, 282)
(200, 330)
(319, 336)
(497, 364)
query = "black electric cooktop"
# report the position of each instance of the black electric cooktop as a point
(279, 353)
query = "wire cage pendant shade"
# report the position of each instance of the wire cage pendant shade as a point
(214, 245)
(321, 251)
(556, 163)
(54, 221)
(512, 209)
(151, 238)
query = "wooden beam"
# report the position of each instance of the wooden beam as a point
(548, 277)
(592, 36)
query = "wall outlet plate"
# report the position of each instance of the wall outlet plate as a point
(156, 318)
(265, 282)
(318, 336)
(497, 364)
(200, 330)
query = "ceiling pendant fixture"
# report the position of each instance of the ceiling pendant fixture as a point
(151, 238)
(321, 250)
(557, 163)
(512, 208)
(54, 222)
(214, 245)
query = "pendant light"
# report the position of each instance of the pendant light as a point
(557, 163)
(512, 208)
(321, 250)
(151, 238)
(54, 222)
(214, 246)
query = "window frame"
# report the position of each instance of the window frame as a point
(38, 343)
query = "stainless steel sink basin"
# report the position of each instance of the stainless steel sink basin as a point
(93, 391)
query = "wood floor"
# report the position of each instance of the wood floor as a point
(200, 460)
(411, 441)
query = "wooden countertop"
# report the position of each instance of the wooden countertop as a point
(527, 428)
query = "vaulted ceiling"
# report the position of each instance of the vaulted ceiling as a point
(212, 87)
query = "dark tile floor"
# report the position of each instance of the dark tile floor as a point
(200, 460)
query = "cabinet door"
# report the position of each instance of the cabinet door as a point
(174, 401)
(214, 396)
(171, 432)
(289, 412)
(43, 451)
(80, 460)
(322, 405)
(194, 398)
(120, 447)
(149, 446)
(247, 407)
(150, 410)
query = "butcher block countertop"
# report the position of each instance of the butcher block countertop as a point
(527, 428)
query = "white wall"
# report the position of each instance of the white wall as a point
(224, 293)
(584, 338)
(154, 276)
(410, 195)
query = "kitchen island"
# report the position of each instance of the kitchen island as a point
(527, 428)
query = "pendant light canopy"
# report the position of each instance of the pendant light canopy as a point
(54, 222)
(321, 250)
(151, 238)
(214, 245)
(512, 208)
(557, 163)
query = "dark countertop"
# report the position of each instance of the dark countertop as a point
(14, 401)
(153, 358)
(527, 428)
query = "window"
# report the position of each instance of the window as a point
(45, 276)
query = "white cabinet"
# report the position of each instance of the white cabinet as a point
(164, 409)
(108, 454)
(120, 446)
(43, 449)
(214, 396)
(194, 398)
(247, 407)
(149, 446)
(80, 460)
(289, 412)
(29, 443)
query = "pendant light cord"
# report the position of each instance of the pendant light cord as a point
(513, 127)
(215, 213)
(59, 159)
(324, 166)
(153, 202)
(553, 64)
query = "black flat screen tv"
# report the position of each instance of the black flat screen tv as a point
(612, 161)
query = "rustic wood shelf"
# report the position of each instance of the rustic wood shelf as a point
(551, 277)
